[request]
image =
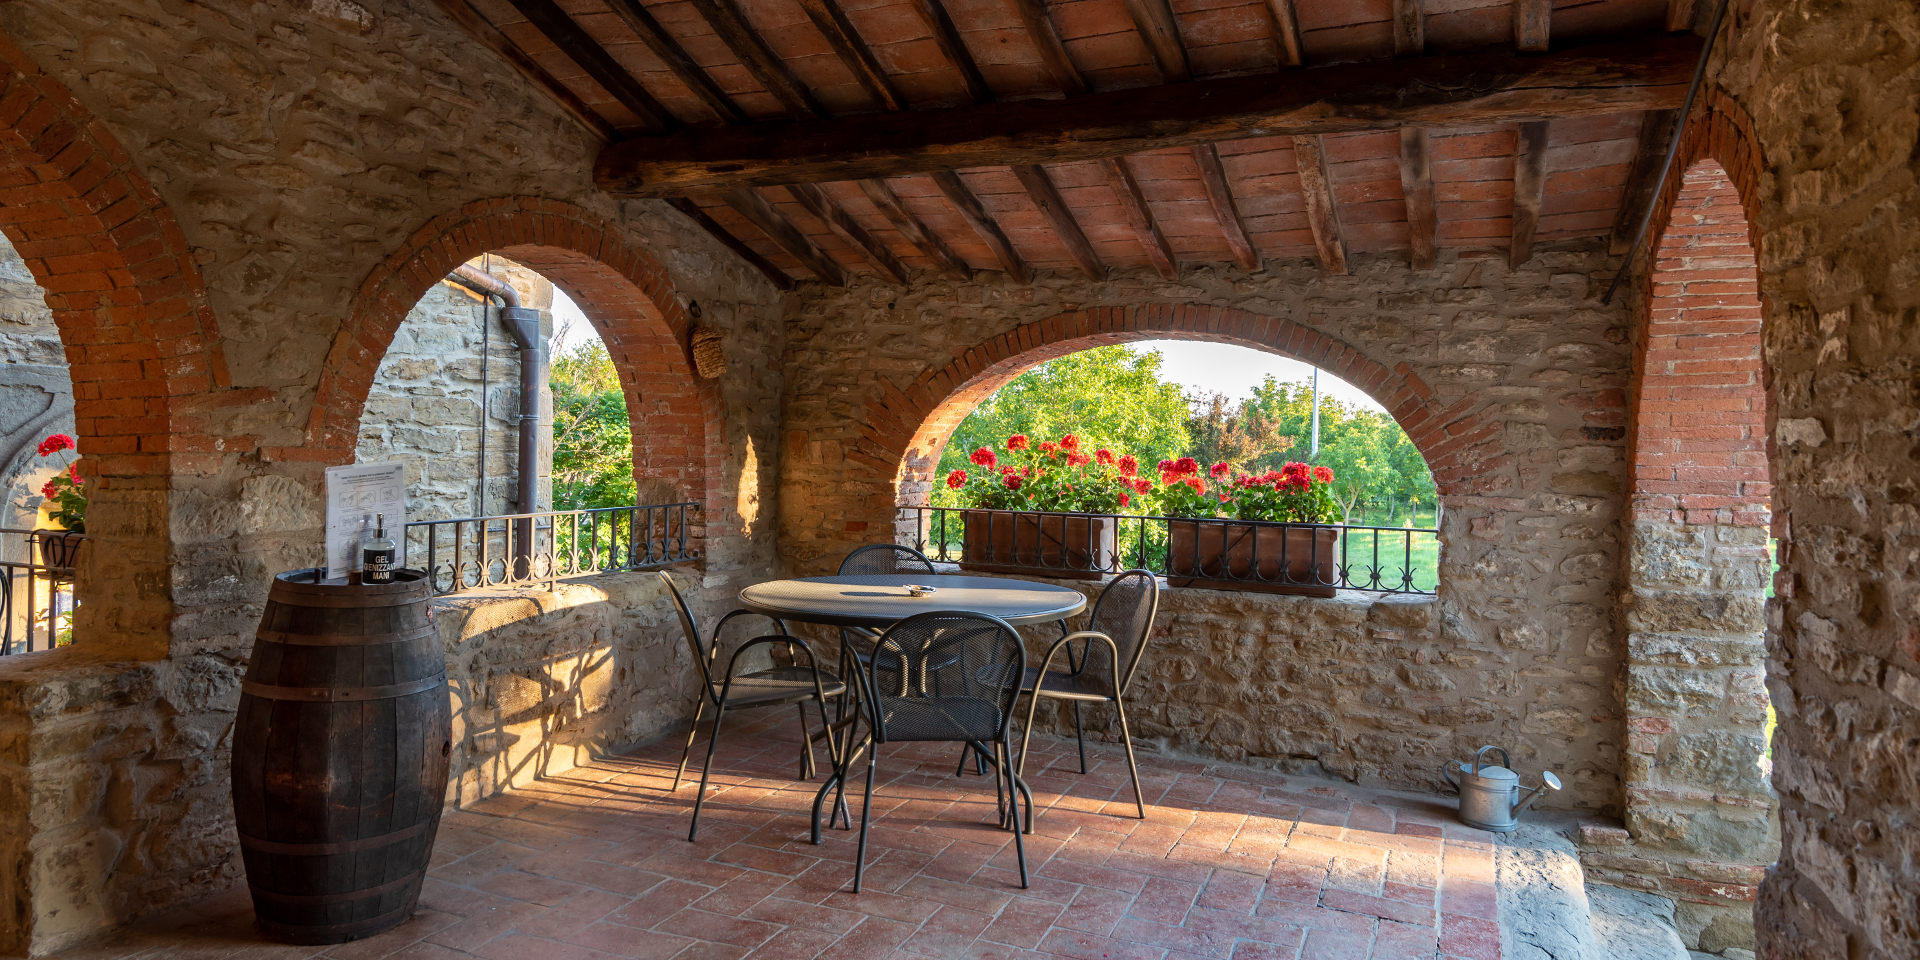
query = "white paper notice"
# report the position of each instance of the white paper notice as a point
(355, 495)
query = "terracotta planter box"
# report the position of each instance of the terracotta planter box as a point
(60, 549)
(1222, 554)
(1076, 546)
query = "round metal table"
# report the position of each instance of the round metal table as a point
(878, 601)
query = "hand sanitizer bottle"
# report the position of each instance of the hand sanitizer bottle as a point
(377, 554)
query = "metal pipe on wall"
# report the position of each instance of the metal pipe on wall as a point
(523, 325)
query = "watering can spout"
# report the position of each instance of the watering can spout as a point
(1547, 780)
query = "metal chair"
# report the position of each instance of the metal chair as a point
(1116, 634)
(964, 694)
(780, 684)
(884, 558)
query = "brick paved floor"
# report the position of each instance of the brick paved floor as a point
(1231, 862)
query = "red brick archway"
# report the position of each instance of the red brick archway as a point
(910, 427)
(624, 292)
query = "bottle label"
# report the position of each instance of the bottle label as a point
(377, 566)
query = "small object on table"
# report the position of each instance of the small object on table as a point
(921, 590)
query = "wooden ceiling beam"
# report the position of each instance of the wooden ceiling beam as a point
(1410, 28)
(1213, 176)
(1529, 188)
(1643, 177)
(853, 52)
(1046, 196)
(783, 233)
(1416, 183)
(947, 37)
(1046, 39)
(1286, 33)
(638, 19)
(1680, 14)
(753, 258)
(839, 221)
(1648, 74)
(1532, 24)
(1134, 202)
(580, 47)
(1161, 31)
(916, 232)
(743, 39)
(969, 207)
(487, 35)
(1316, 185)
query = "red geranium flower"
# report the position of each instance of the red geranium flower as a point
(1078, 459)
(73, 472)
(1048, 446)
(1323, 474)
(1104, 455)
(1069, 442)
(1198, 485)
(1013, 481)
(1221, 469)
(1143, 485)
(957, 479)
(1125, 500)
(55, 444)
(1185, 466)
(49, 490)
(1018, 441)
(984, 457)
(1129, 466)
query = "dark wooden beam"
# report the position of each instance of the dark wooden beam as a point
(1039, 26)
(1416, 182)
(1647, 74)
(700, 219)
(1529, 188)
(1161, 31)
(641, 22)
(580, 47)
(1213, 176)
(1286, 33)
(833, 24)
(1134, 202)
(1643, 178)
(1680, 14)
(743, 39)
(947, 37)
(1532, 23)
(1046, 196)
(1410, 28)
(1316, 185)
(842, 223)
(487, 35)
(917, 233)
(782, 232)
(976, 216)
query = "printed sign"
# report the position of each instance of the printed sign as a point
(355, 495)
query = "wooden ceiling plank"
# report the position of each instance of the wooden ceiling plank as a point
(484, 32)
(1213, 176)
(970, 210)
(580, 47)
(1643, 178)
(1416, 182)
(1410, 28)
(743, 39)
(1161, 31)
(1046, 196)
(700, 219)
(1680, 14)
(1134, 202)
(1316, 185)
(638, 19)
(917, 233)
(839, 221)
(1646, 74)
(845, 40)
(1529, 188)
(782, 232)
(1046, 39)
(947, 37)
(1286, 33)
(1532, 24)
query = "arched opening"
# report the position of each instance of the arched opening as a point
(1699, 571)
(36, 404)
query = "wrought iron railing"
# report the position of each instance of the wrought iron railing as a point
(535, 549)
(1220, 553)
(36, 598)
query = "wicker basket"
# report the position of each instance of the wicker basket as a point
(708, 356)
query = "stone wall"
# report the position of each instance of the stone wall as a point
(36, 394)
(1511, 381)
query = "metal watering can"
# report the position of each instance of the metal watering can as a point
(1489, 795)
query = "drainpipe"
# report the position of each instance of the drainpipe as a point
(523, 325)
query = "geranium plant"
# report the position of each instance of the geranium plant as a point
(1295, 493)
(63, 491)
(1050, 476)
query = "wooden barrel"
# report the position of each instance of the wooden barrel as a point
(340, 756)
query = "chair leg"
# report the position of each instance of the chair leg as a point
(1126, 737)
(1080, 734)
(1019, 835)
(866, 817)
(720, 713)
(687, 751)
(807, 768)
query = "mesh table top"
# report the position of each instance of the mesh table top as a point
(881, 600)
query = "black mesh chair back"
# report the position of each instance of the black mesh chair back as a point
(702, 654)
(1125, 612)
(945, 676)
(884, 558)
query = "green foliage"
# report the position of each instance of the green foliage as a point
(1373, 461)
(592, 438)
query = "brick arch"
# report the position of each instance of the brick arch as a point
(624, 292)
(911, 427)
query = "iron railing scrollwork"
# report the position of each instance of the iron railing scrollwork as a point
(32, 594)
(540, 549)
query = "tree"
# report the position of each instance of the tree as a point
(592, 437)
(1372, 458)
(1220, 431)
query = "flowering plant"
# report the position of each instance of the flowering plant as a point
(64, 489)
(1054, 476)
(1296, 493)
